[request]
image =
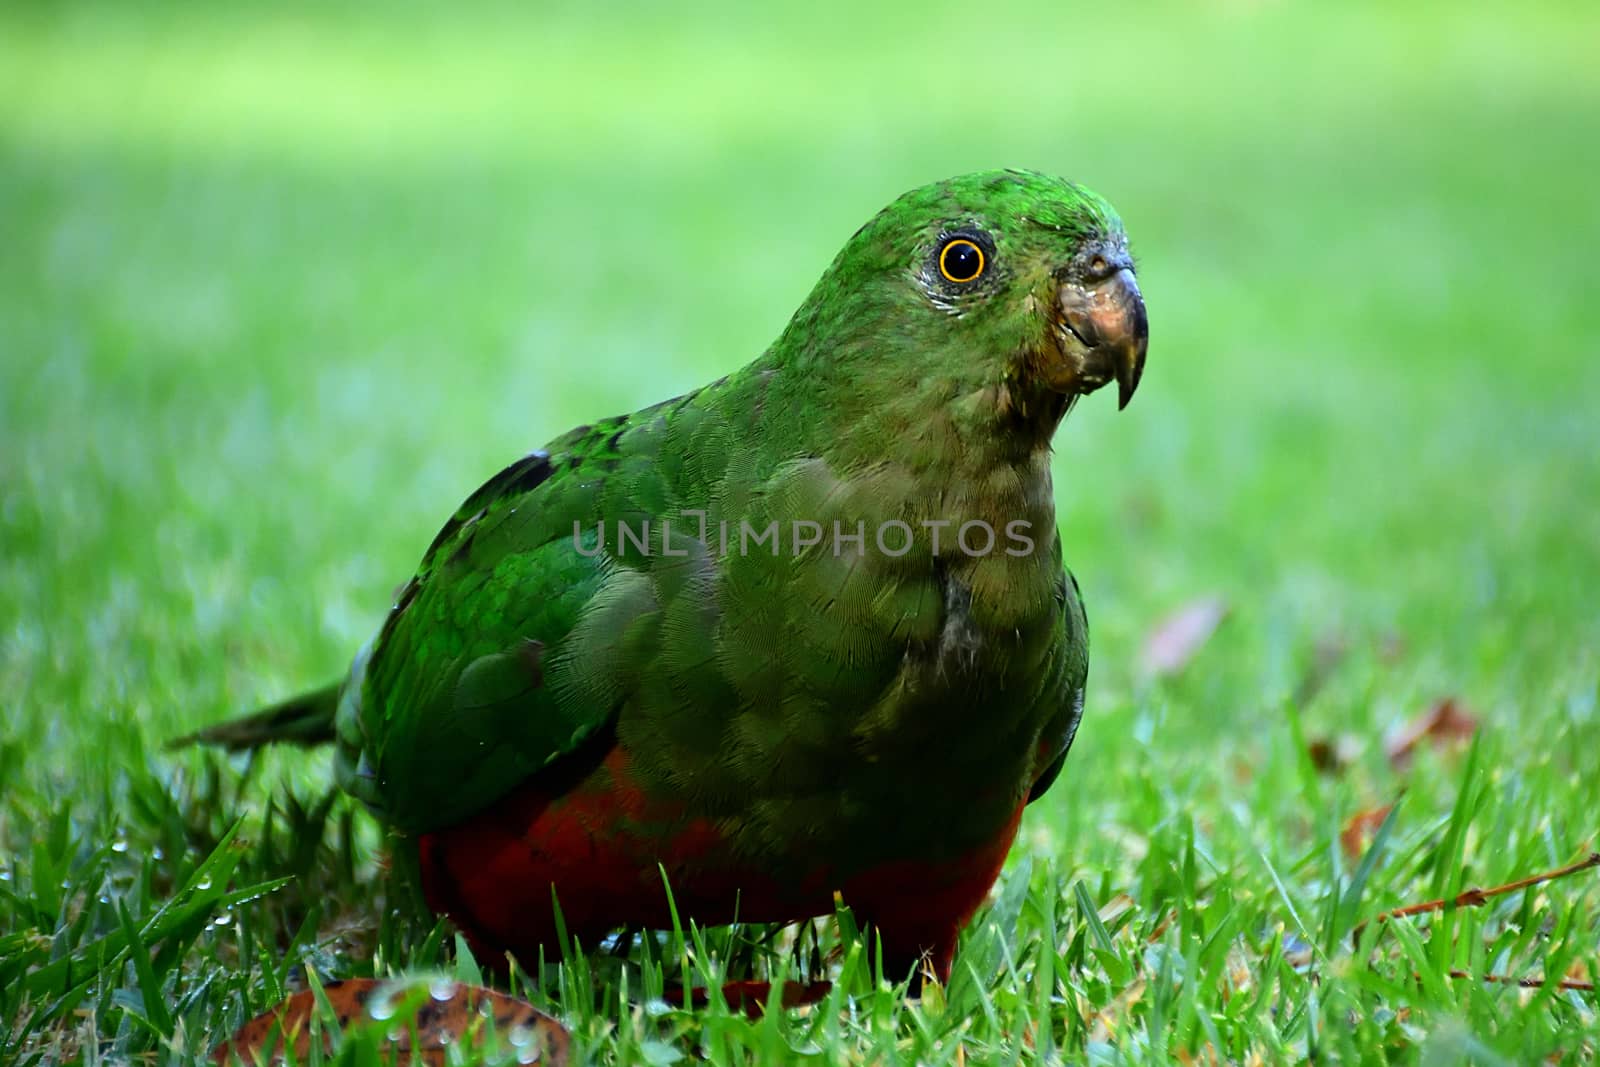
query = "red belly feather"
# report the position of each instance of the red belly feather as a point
(599, 845)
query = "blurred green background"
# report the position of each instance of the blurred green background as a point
(279, 286)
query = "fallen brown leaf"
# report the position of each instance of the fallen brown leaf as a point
(448, 1012)
(1446, 721)
(1175, 639)
(1331, 755)
(1358, 831)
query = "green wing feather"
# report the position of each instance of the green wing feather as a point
(467, 689)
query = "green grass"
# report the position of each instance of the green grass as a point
(278, 288)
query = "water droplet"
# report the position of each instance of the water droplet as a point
(157, 854)
(5, 876)
(119, 845)
(104, 899)
(441, 989)
(222, 920)
(382, 1006)
(204, 883)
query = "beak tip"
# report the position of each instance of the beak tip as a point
(1128, 375)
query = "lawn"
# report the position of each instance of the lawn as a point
(278, 287)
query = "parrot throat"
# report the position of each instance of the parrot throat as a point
(962, 427)
(964, 454)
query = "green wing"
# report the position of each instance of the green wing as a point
(463, 694)
(517, 638)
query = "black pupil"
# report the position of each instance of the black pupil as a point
(961, 261)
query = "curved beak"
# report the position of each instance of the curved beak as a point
(1107, 320)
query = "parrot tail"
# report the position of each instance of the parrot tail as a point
(305, 720)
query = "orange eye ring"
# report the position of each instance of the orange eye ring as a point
(966, 265)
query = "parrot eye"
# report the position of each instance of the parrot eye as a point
(961, 260)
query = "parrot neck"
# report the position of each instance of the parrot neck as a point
(971, 454)
(943, 449)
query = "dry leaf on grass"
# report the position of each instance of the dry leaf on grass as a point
(1446, 721)
(1332, 755)
(1358, 831)
(445, 1012)
(1175, 639)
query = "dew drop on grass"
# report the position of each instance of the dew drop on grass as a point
(204, 883)
(157, 854)
(222, 920)
(119, 845)
(522, 1039)
(442, 988)
(382, 1006)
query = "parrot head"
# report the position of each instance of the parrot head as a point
(1010, 283)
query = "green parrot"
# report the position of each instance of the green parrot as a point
(801, 632)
